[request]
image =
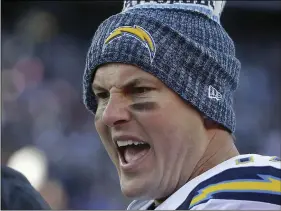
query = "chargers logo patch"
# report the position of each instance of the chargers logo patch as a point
(136, 32)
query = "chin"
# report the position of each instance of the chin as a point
(134, 192)
(136, 189)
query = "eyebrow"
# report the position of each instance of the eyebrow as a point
(130, 83)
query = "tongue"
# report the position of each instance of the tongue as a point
(132, 153)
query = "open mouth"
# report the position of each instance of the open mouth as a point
(131, 151)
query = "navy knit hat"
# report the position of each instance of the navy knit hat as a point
(182, 44)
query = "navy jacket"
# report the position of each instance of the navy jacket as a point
(18, 194)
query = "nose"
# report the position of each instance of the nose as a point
(116, 111)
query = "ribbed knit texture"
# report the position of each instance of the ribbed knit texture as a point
(193, 52)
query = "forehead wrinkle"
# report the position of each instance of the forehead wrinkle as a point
(131, 82)
(103, 80)
(119, 76)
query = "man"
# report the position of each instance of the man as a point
(18, 194)
(160, 79)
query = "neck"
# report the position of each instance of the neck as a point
(220, 148)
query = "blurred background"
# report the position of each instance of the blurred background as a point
(46, 132)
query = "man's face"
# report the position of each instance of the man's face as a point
(152, 136)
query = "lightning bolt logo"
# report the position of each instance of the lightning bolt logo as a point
(268, 184)
(138, 33)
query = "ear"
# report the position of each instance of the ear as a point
(211, 124)
(208, 123)
(211, 127)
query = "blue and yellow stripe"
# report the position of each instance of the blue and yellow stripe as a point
(267, 184)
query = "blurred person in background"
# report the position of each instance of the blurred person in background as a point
(18, 194)
(160, 79)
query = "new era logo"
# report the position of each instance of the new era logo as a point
(214, 94)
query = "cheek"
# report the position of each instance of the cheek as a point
(167, 137)
(172, 134)
(107, 142)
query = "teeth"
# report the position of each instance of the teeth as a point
(128, 142)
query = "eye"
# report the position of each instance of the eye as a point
(140, 90)
(102, 95)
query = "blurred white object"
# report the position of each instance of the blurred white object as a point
(32, 163)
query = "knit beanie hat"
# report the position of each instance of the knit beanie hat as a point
(181, 42)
